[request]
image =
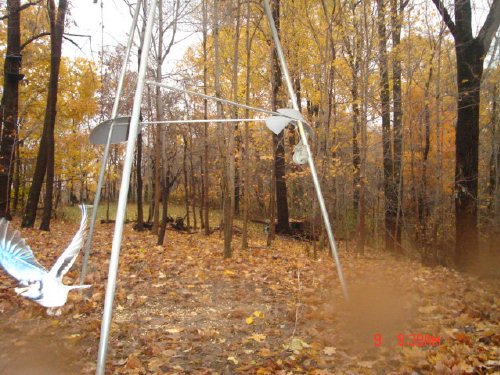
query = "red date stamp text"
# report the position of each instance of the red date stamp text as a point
(412, 339)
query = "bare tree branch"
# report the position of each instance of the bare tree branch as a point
(174, 31)
(72, 42)
(28, 4)
(33, 38)
(446, 17)
(490, 26)
(22, 7)
(38, 36)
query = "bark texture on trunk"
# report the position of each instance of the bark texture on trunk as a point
(206, 198)
(10, 103)
(389, 188)
(140, 215)
(469, 72)
(283, 225)
(470, 53)
(45, 158)
(397, 7)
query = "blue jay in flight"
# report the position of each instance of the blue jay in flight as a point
(35, 282)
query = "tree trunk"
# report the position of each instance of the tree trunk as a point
(361, 229)
(10, 103)
(192, 179)
(17, 179)
(202, 195)
(225, 179)
(45, 157)
(237, 176)
(283, 225)
(494, 152)
(272, 208)
(186, 182)
(57, 198)
(159, 117)
(358, 194)
(156, 178)
(164, 219)
(140, 216)
(469, 72)
(206, 200)
(423, 197)
(165, 196)
(230, 203)
(356, 159)
(49, 182)
(246, 146)
(397, 8)
(356, 156)
(470, 53)
(494, 177)
(390, 208)
(138, 170)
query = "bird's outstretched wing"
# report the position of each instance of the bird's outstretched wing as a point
(16, 257)
(68, 257)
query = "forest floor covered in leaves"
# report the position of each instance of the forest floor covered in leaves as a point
(183, 309)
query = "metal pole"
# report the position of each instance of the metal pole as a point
(104, 160)
(202, 121)
(266, 111)
(122, 199)
(303, 137)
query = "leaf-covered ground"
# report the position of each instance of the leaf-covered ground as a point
(183, 309)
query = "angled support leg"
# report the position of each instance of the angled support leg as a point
(314, 175)
(122, 199)
(105, 156)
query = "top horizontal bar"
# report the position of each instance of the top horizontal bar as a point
(203, 121)
(236, 104)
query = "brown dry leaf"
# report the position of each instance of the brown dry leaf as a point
(441, 368)
(296, 345)
(237, 314)
(233, 360)
(264, 371)
(195, 315)
(133, 362)
(413, 353)
(429, 309)
(367, 364)
(258, 314)
(463, 368)
(463, 338)
(173, 330)
(329, 350)
(265, 352)
(257, 337)
(156, 364)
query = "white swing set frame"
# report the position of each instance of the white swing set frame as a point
(134, 129)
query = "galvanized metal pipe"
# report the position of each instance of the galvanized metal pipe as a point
(317, 186)
(122, 199)
(105, 156)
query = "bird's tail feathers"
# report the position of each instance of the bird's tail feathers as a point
(71, 287)
(83, 222)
